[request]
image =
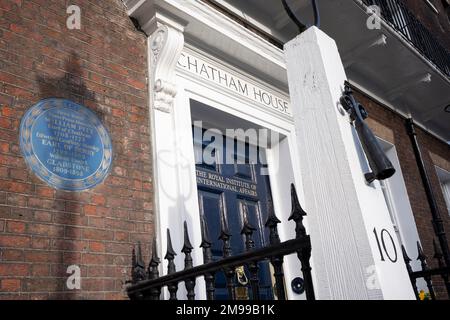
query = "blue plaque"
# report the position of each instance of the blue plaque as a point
(65, 144)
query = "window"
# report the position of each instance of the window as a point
(444, 180)
(391, 206)
(397, 201)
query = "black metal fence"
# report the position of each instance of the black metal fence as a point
(427, 273)
(404, 21)
(147, 284)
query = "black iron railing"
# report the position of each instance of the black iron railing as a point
(427, 273)
(396, 14)
(147, 284)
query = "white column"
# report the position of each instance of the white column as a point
(175, 189)
(343, 210)
(165, 45)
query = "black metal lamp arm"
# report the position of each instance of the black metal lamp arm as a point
(301, 26)
(380, 164)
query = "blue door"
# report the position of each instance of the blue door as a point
(225, 190)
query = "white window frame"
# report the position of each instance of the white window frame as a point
(432, 6)
(444, 180)
(283, 169)
(399, 207)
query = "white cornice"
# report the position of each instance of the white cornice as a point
(205, 26)
(225, 25)
(165, 46)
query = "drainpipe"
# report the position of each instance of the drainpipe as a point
(438, 225)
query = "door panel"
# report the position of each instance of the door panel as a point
(224, 189)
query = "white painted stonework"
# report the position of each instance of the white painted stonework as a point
(173, 153)
(344, 211)
(225, 78)
(165, 45)
(317, 149)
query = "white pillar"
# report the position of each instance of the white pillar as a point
(175, 188)
(343, 211)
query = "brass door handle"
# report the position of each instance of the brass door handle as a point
(241, 276)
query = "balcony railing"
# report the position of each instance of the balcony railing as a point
(398, 16)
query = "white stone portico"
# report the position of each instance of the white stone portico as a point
(200, 57)
(358, 250)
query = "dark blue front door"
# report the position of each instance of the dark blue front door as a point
(224, 191)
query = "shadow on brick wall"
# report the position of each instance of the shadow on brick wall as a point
(70, 86)
(68, 242)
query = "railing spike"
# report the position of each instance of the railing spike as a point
(247, 228)
(188, 264)
(225, 236)
(133, 258)
(170, 256)
(206, 240)
(421, 255)
(247, 231)
(224, 232)
(155, 257)
(272, 219)
(407, 261)
(138, 272)
(297, 210)
(297, 214)
(423, 261)
(153, 272)
(406, 258)
(274, 238)
(207, 258)
(304, 254)
(187, 246)
(170, 253)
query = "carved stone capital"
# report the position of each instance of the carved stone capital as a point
(165, 45)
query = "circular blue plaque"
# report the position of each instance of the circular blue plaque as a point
(65, 144)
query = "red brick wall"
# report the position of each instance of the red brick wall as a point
(391, 127)
(42, 230)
